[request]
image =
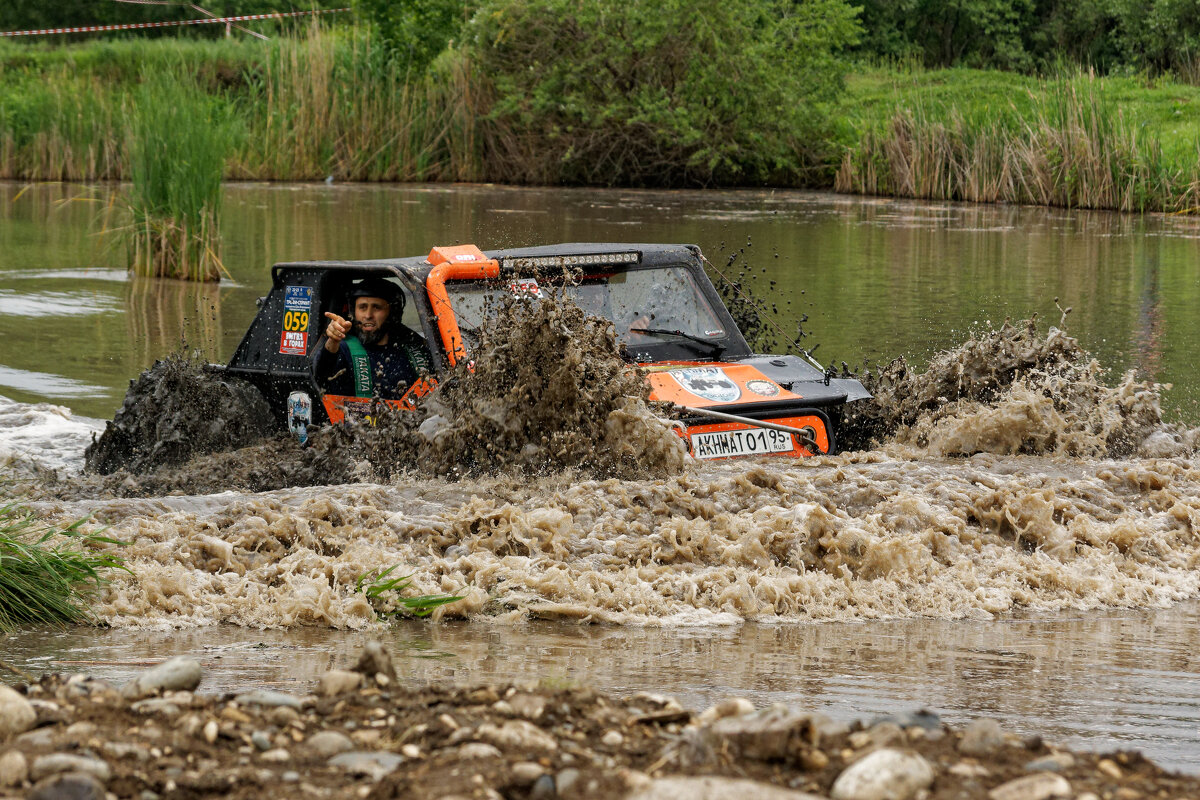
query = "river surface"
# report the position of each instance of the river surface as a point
(1054, 592)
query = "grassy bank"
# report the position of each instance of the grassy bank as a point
(329, 104)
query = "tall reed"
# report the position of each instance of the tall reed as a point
(179, 143)
(47, 574)
(1073, 149)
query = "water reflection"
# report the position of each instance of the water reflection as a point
(181, 316)
(1097, 681)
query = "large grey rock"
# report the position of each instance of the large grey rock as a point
(269, 699)
(371, 764)
(179, 672)
(16, 713)
(885, 774)
(710, 788)
(68, 786)
(14, 769)
(769, 734)
(981, 738)
(1038, 786)
(56, 763)
(329, 743)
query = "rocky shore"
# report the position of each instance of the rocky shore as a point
(360, 734)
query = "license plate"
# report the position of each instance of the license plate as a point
(726, 444)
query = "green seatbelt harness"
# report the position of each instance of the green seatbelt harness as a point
(360, 361)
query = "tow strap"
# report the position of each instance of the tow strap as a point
(360, 365)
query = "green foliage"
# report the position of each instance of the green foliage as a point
(376, 585)
(44, 580)
(659, 93)
(414, 32)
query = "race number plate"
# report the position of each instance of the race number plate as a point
(727, 444)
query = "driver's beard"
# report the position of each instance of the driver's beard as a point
(371, 337)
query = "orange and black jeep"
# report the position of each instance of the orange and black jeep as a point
(733, 402)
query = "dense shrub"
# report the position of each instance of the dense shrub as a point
(416, 31)
(674, 92)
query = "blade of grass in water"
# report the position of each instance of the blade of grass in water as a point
(375, 586)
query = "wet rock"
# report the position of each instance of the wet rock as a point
(981, 738)
(1055, 762)
(731, 707)
(14, 769)
(339, 681)
(329, 743)
(180, 672)
(16, 713)
(261, 740)
(1039, 786)
(156, 705)
(375, 660)
(886, 774)
(68, 786)
(516, 734)
(543, 788)
(55, 763)
(269, 699)
(769, 734)
(711, 788)
(373, 765)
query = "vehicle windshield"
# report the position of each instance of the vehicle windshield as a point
(644, 305)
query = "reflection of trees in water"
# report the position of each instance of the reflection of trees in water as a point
(166, 316)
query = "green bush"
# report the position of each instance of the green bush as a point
(414, 32)
(675, 92)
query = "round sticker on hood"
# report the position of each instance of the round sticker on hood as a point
(764, 388)
(707, 382)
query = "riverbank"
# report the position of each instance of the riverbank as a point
(359, 733)
(327, 105)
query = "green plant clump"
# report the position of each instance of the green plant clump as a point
(42, 581)
(181, 138)
(376, 585)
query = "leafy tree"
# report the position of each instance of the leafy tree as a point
(661, 92)
(415, 31)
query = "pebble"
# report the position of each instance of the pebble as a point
(966, 769)
(81, 731)
(516, 734)
(1038, 786)
(16, 713)
(769, 734)
(1109, 769)
(477, 750)
(925, 720)
(524, 773)
(529, 706)
(261, 740)
(42, 737)
(125, 750)
(54, 763)
(180, 672)
(338, 681)
(543, 788)
(291, 776)
(981, 738)
(612, 739)
(730, 707)
(712, 788)
(885, 774)
(565, 780)
(211, 730)
(373, 765)
(410, 750)
(68, 786)
(269, 699)
(156, 705)
(276, 756)
(329, 743)
(14, 769)
(1055, 762)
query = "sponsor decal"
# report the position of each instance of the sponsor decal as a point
(525, 287)
(297, 298)
(294, 343)
(299, 414)
(764, 388)
(707, 382)
(715, 334)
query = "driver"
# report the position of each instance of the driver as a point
(371, 354)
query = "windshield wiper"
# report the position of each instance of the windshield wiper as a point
(716, 348)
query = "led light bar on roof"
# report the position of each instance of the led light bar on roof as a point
(541, 262)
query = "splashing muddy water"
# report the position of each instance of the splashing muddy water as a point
(905, 529)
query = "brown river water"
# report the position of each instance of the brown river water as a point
(1001, 558)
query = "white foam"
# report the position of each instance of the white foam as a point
(45, 434)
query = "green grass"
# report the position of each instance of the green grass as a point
(47, 574)
(383, 592)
